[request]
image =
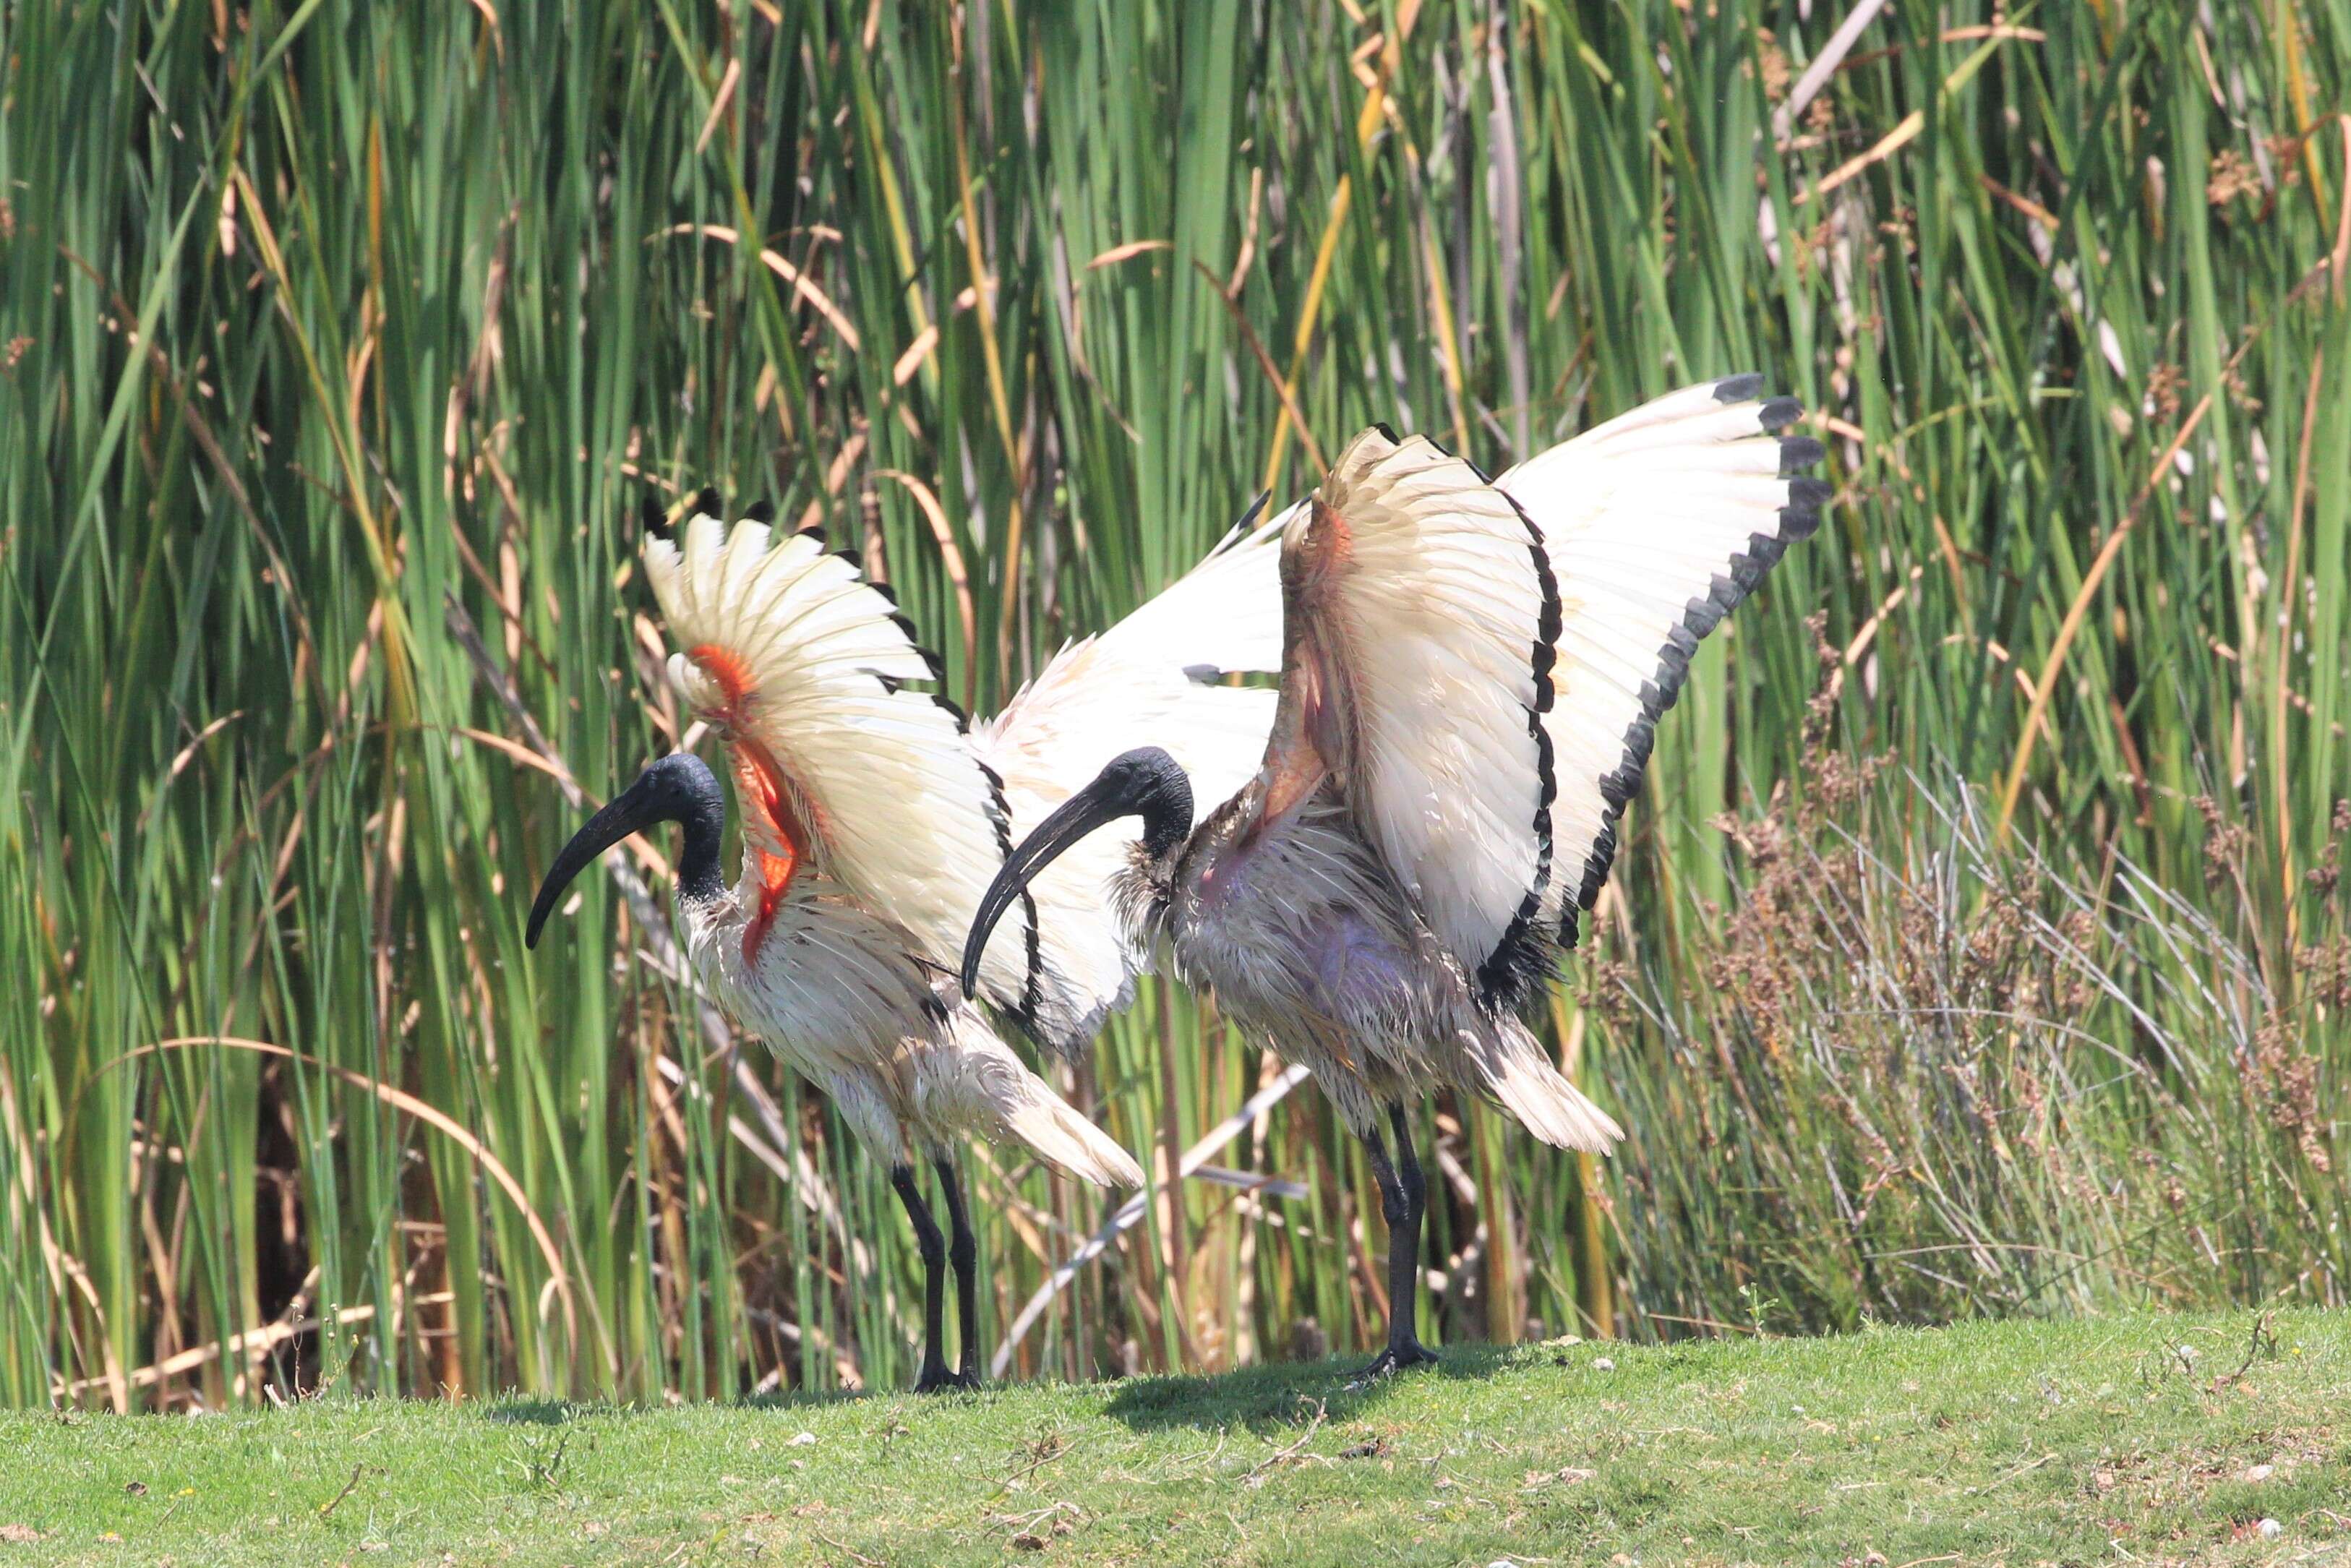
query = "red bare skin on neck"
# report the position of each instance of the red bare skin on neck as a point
(761, 785)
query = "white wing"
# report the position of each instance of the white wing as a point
(1481, 665)
(1154, 679)
(797, 661)
(1657, 524)
(1419, 614)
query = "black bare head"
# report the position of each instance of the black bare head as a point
(1145, 782)
(679, 788)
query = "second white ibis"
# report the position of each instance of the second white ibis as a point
(1471, 678)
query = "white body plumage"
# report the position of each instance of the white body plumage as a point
(1311, 948)
(836, 992)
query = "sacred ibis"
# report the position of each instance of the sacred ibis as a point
(873, 818)
(1471, 678)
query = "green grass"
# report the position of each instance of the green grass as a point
(2017, 1442)
(339, 341)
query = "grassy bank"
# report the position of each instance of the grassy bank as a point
(2138, 1440)
(1980, 943)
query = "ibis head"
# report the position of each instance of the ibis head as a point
(679, 789)
(1145, 782)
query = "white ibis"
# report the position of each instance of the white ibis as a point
(1471, 678)
(873, 816)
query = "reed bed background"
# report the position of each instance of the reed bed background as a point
(1980, 947)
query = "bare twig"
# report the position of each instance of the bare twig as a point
(1285, 1456)
(337, 1500)
(1131, 1211)
(1044, 1451)
(2258, 1341)
(1824, 66)
(1281, 389)
(853, 1553)
(2025, 1468)
(799, 282)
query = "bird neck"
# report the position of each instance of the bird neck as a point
(698, 878)
(1165, 806)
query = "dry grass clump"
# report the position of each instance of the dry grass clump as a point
(1952, 1076)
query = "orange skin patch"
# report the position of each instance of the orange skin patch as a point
(1308, 740)
(760, 786)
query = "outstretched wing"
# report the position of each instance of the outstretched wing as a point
(1656, 524)
(1156, 678)
(1481, 665)
(798, 662)
(1419, 615)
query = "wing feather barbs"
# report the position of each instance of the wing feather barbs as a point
(1658, 523)
(796, 660)
(1422, 611)
(1156, 678)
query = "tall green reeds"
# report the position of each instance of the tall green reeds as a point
(338, 344)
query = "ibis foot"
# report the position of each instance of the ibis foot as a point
(934, 1378)
(1396, 1358)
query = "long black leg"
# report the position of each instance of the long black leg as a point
(1415, 1185)
(962, 1250)
(934, 1249)
(1408, 1350)
(1400, 1204)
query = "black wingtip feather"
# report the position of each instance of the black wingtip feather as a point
(654, 516)
(930, 656)
(1746, 570)
(1799, 452)
(1799, 518)
(706, 502)
(759, 512)
(1248, 519)
(1527, 955)
(1738, 389)
(1779, 414)
(1595, 877)
(1763, 553)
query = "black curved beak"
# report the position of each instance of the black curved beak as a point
(1144, 782)
(676, 788)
